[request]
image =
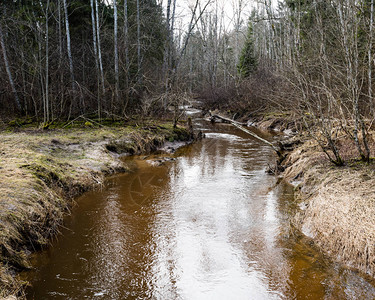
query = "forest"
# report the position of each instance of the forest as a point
(91, 86)
(124, 58)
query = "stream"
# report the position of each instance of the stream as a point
(208, 224)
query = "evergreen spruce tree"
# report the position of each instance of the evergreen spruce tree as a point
(248, 61)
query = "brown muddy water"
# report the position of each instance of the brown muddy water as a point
(209, 225)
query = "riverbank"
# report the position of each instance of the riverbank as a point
(336, 204)
(42, 171)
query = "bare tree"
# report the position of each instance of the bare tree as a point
(46, 105)
(95, 47)
(117, 79)
(369, 54)
(69, 48)
(99, 46)
(7, 67)
(126, 46)
(349, 30)
(139, 64)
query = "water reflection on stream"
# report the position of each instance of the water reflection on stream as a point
(210, 225)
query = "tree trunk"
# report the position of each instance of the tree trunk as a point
(59, 30)
(140, 75)
(370, 57)
(95, 46)
(99, 46)
(239, 126)
(117, 79)
(167, 49)
(9, 72)
(68, 44)
(126, 46)
(47, 106)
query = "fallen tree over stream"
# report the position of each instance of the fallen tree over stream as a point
(278, 149)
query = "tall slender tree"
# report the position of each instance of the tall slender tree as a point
(69, 49)
(99, 46)
(95, 47)
(115, 34)
(369, 55)
(8, 70)
(139, 59)
(127, 60)
(47, 105)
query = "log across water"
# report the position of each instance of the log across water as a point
(239, 125)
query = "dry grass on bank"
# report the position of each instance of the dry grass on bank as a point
(340, 217)
(40, 173)
(337, 204)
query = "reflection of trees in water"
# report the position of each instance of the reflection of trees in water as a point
(209, 155)
(215, 155)
(243, 160)
(217, 170)
(133, 206)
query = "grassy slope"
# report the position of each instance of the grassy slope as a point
(41, 172)
(337, 205)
